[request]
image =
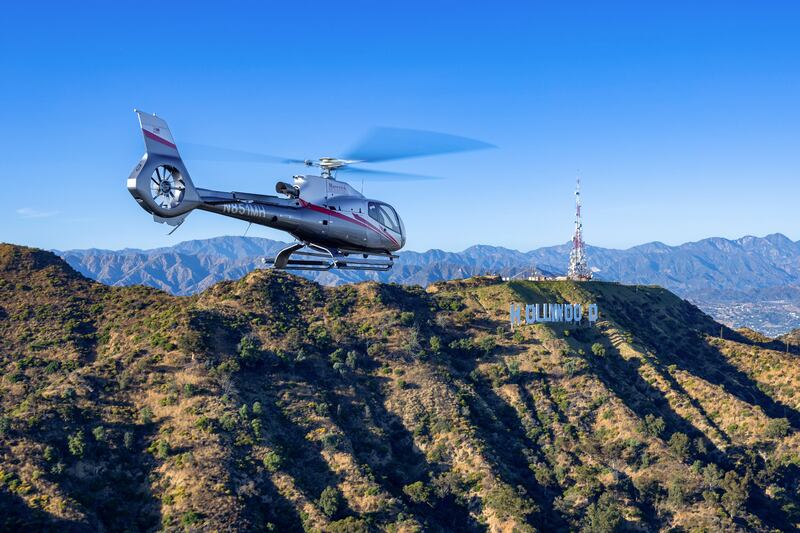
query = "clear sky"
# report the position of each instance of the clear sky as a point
(682, 118)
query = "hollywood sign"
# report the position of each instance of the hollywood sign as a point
(545, 313)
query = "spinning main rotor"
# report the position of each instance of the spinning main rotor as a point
(378, 146)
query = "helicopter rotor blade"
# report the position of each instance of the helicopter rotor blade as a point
(206, 152)
(384, 175)
(388, 144)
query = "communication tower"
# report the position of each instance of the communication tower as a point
(578, 267)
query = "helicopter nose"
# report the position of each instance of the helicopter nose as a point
(402, 232)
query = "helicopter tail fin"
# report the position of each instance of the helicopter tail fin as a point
(160, 182)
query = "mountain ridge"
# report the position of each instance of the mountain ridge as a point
(736, 280)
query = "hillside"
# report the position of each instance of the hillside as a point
(272, 402)
(748, 282)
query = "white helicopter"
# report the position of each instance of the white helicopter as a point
(335, 226)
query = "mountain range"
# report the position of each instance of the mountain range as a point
(748, 282)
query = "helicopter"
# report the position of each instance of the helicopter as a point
(334, 225)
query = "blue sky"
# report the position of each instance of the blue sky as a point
(681, 117)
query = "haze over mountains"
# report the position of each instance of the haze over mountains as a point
(748, 282)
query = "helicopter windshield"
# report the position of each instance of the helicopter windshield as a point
(385, 215)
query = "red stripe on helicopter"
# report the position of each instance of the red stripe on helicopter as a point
(369, 224)
(151, 135)
(356, 220)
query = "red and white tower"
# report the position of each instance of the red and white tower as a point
(578, 267)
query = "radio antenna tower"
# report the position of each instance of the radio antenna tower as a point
(578, 267)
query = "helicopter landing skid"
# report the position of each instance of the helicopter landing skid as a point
(316, 257)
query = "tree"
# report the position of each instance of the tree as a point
(417, 492)
(602, 516)
(329, 501)
(248, 348)
(598, 349)
(736, 492)
(679, 446)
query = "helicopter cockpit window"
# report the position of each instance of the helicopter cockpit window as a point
(385, 215)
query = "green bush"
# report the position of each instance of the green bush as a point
(146, 415)
(679, 446)
(76, 443)
(417, 492)
(272, 461)
(652, 426)
(778, 427)
(602, 516)
(99, 433)
(598, 349)
(507, 503)
(329, 501)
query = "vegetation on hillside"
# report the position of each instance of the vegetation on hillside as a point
(272, 403)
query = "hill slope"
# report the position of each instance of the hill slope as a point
(749, 282)
(275, 402)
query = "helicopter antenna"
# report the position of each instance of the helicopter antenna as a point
(362, 185)
(175, 228)
(247, 229)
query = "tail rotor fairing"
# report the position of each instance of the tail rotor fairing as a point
(167, 186)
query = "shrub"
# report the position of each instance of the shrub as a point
(487, 344)
(160, 449)
(272, 461)
(352, 359)
(406, 318)
(257, 427)
(189, 389)
(435, 344)
(329, 501)
(417, 492)
(507, 503)
(778, 427)
(49, 454)
(76, 443)
(191, 518)
(350, 524)
(257, 410)
(146, 415)
(99, 433)
(598, 349)
(127, 440)
(652, 426)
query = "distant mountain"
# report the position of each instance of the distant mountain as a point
(748, 282)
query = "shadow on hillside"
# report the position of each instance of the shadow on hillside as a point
(17, 516)
(303, 459)
(674, 342)
(111, 481)
(622, 377)
(509, 448)
(396, 460)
